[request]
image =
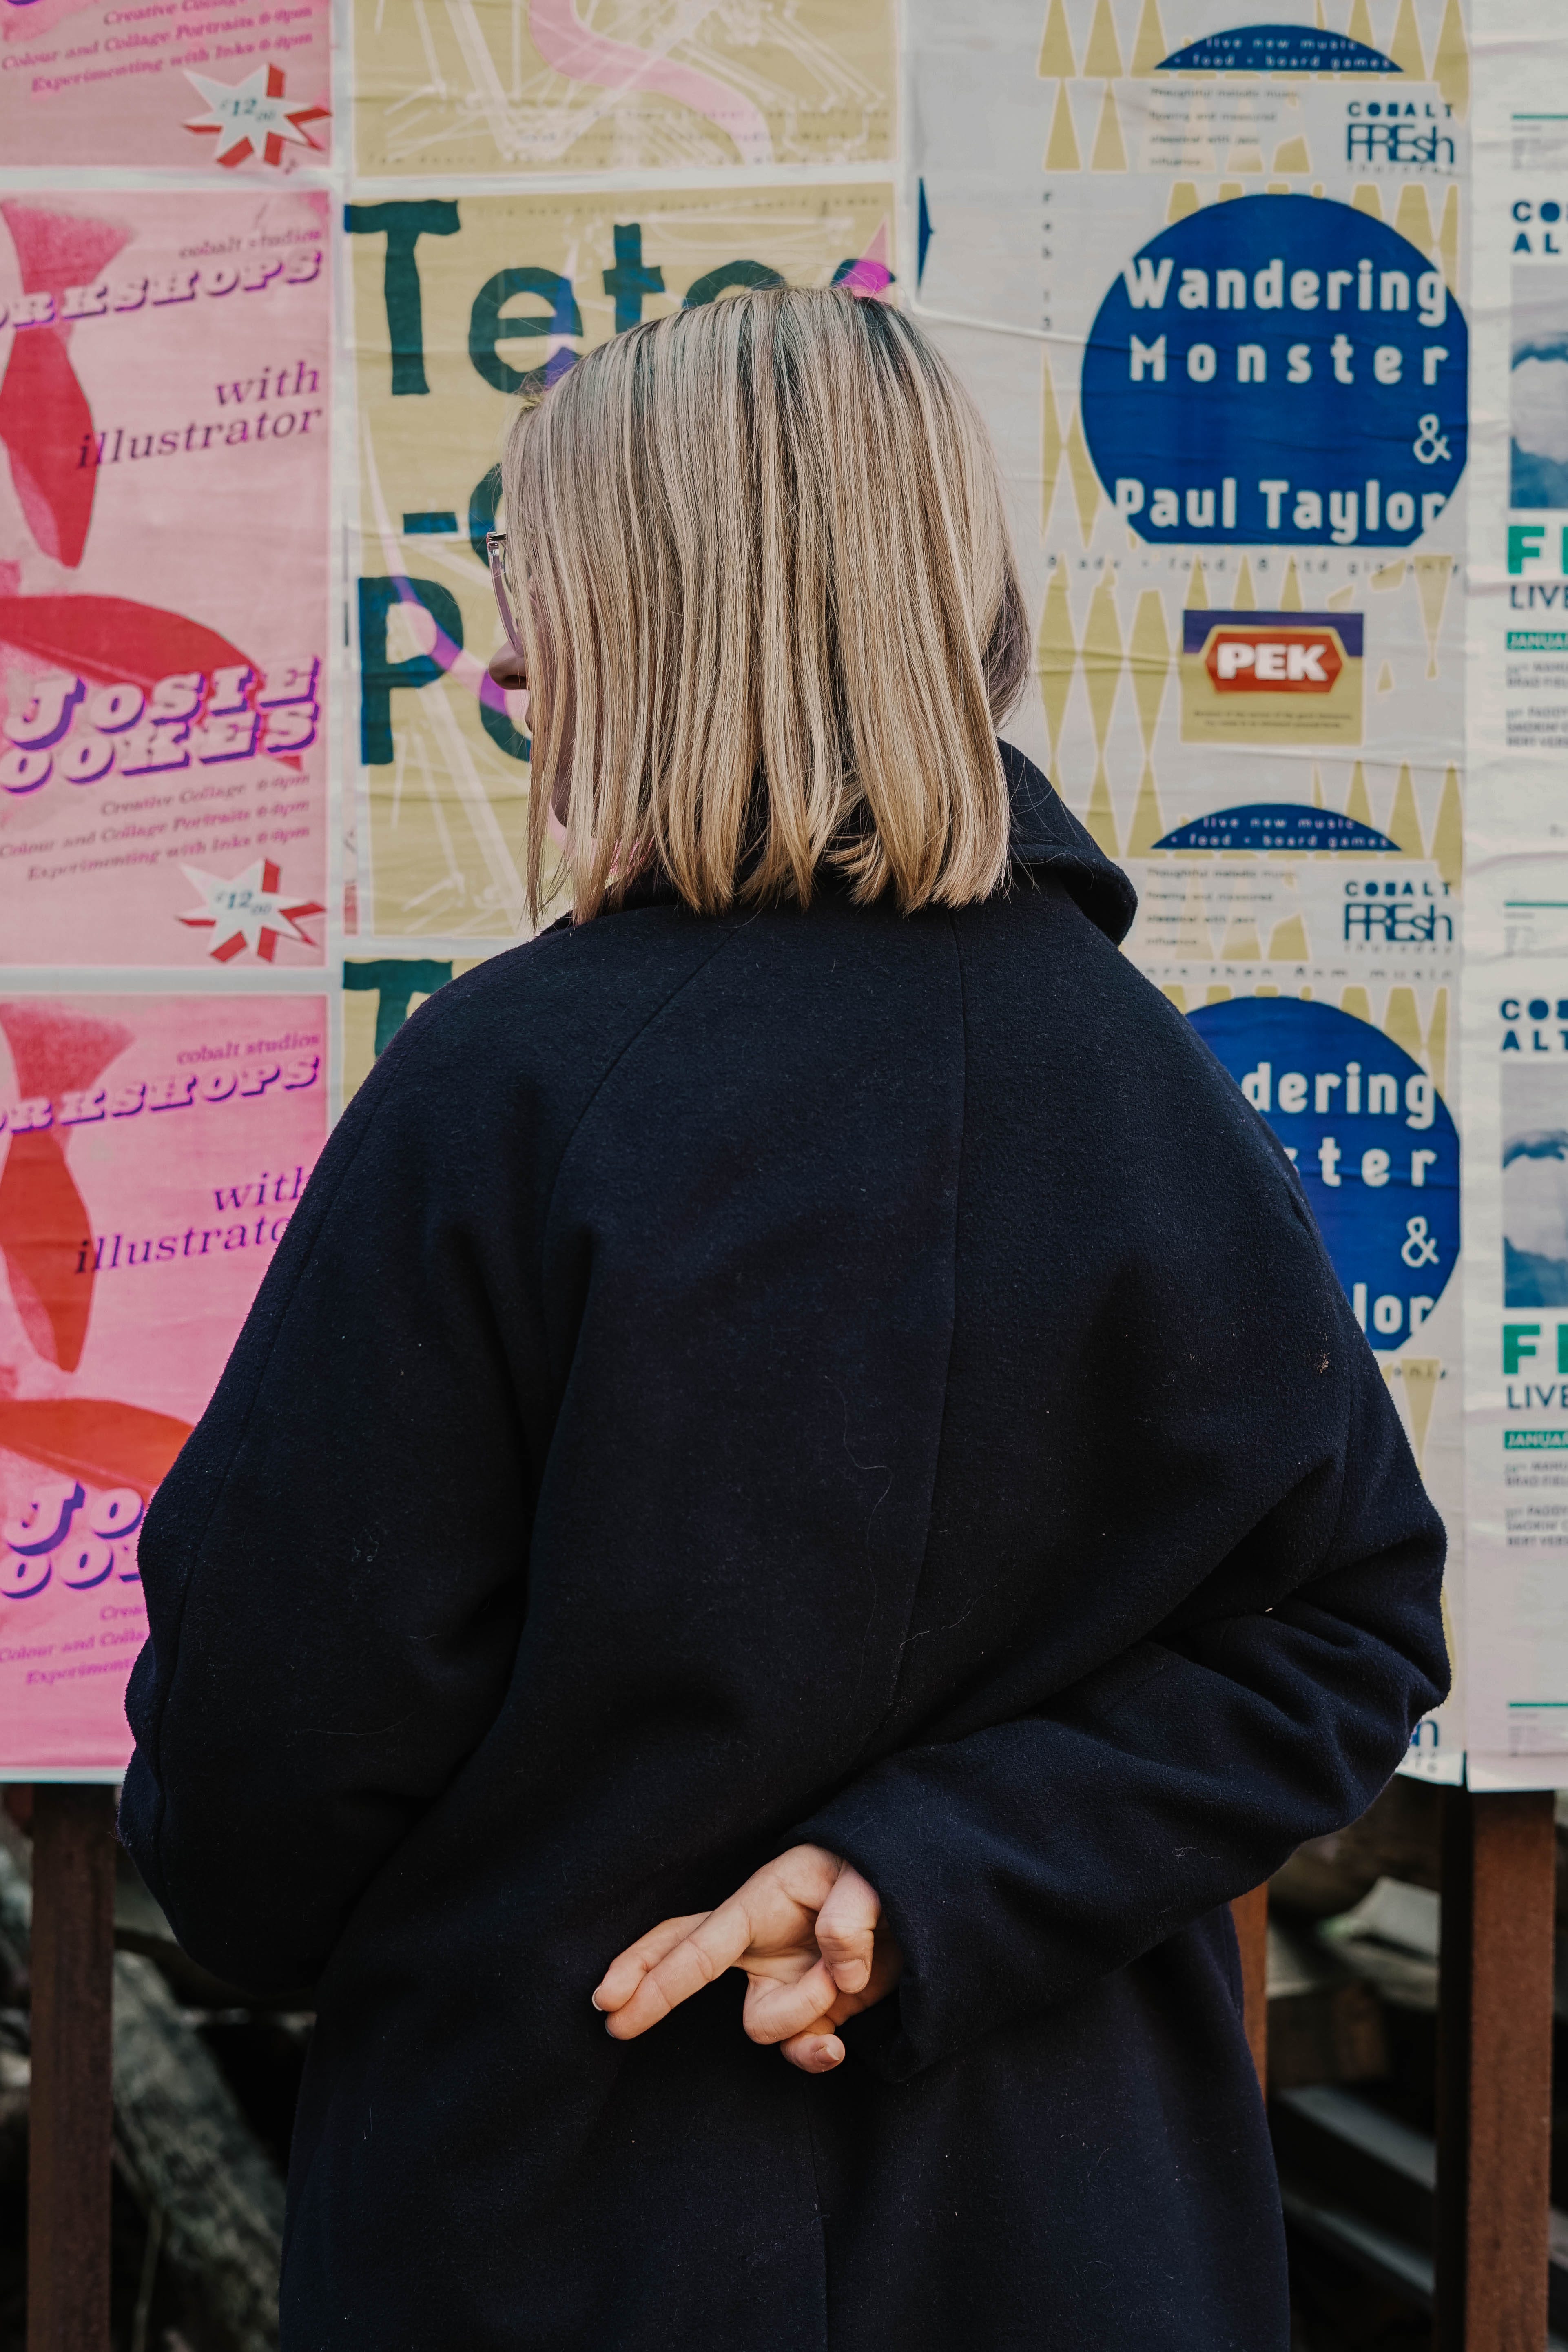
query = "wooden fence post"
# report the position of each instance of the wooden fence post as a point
(1494, 2072)
(1250, 1913)
(71, 2106)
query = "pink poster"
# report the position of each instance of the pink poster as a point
(156, 1148)
(166, 82)
(163, 549)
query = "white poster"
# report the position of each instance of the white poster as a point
(1208, 279)
(1516, 1087)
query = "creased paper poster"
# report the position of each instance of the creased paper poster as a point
(1516, 982)
(163, 547)
(546, 86)
(176, 84)
(1516, 1093)
(154, 1149)
(1239, 451)
(1207, 277)
(458, 303)
(1518, 555)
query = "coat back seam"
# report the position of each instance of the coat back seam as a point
(901, 1654)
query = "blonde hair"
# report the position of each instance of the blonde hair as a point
(771, 609)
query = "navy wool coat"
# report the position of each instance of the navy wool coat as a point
(822, 1375)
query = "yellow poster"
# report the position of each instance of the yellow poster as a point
(456, 304)
(534, 86)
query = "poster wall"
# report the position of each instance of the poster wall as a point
(1267, 312)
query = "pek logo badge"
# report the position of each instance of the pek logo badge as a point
(1272, 661)
(1271, 678)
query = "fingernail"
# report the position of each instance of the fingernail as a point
(598, 2004)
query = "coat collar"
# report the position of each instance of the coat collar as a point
(1045, 834)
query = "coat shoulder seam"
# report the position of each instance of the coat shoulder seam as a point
(619, 1056)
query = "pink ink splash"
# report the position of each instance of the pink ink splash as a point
(581, 55)
(45, 420)
(31, 23)
(43, 1219)
(870, 274)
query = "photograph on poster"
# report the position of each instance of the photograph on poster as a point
(1535, 1184)
(155, 1150)
(457, 304)
(163, 754)
(1538, 388)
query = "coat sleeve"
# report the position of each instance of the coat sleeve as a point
(334, 1567)
(1020, 1861)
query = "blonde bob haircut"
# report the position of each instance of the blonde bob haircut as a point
(770, 610)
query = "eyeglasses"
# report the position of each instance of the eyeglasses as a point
(495, 548)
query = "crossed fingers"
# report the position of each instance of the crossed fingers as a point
(806, 1929)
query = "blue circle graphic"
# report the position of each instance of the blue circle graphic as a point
(1373, 1144)
(1276, 48)
(1277, 825)
(1278, 371)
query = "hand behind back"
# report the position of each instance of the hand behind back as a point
(806, 1928)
